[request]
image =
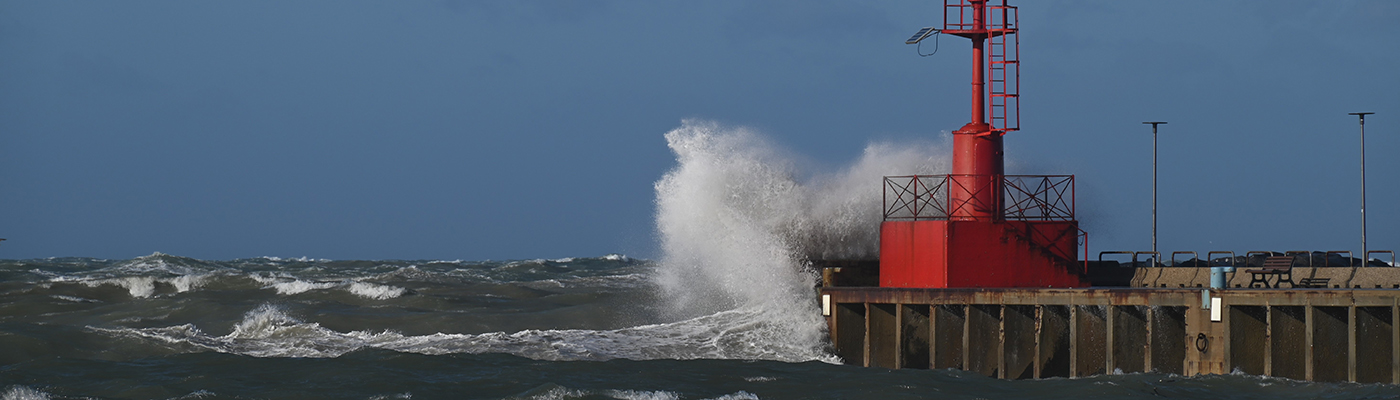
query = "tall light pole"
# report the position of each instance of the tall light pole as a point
(1361, 116)
(1154, 187)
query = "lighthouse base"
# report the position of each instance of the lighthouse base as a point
(980, 254)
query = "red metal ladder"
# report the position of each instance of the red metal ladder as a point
(1003, 67)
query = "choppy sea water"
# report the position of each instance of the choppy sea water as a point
(162, 326)
(727, 311)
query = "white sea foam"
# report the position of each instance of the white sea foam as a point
(556, 392)
(616, 257)
(137, 286)
(75, 299)
(642, 395)
(23, 393)
(198, 394)
(737, 227)
(374, 291)
(268, 331)
(142, 286)
(297, 259)
(299, 286)
(288, 285)
(185, 283)
(552, 392)
(740, 395)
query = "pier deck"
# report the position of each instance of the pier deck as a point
(1309, 334)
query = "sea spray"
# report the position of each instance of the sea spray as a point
(721, 214)
(737, 228)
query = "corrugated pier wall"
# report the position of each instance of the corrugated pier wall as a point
(1309, 334)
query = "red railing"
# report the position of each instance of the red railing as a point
(1038, 197)
(1023, 197)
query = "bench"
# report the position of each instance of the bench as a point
(1312, 282)
(1280, 267)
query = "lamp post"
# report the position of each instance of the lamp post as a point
(1154, 187)
(1361, 118)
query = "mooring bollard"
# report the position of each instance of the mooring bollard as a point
(1217, 276)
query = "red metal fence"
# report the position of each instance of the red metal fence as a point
(1023, 197)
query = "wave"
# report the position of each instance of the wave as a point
(556, 392)
(374, 291)
(160, 275)
(738, 227)
(268, 331)
(145, 286)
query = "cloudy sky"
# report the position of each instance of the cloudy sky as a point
(534, 129)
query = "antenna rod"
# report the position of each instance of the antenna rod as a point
(1361, 116)
(1154, 189)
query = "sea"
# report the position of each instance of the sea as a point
(726, 310)
(169, 327)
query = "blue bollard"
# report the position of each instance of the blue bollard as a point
(1217, 276)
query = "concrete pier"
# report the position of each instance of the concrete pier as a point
(1308, 334)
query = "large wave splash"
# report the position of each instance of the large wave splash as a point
(738, 228)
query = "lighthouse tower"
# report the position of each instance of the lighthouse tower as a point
(978, 227)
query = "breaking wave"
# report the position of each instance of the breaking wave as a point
(737, 227)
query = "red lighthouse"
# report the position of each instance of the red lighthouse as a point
(978, 227)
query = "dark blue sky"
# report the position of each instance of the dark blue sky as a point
(529, 129)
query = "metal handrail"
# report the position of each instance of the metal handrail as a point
(1047, 197)
(1193, 254)
(1350, 260)
(1250, 254)
(1210, 255)
(1084, 244)
(1156, 256)
(1101, 253)
(977, 189)
(915, 197)
(1021, 197)
(1234, 259)
(1303, 252)
(1367, 262)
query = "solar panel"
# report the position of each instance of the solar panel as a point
(923, 33)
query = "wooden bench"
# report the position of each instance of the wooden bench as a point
(1281, 267)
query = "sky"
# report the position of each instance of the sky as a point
(528, 129)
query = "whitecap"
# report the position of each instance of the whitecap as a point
(137, 286)
(287, 285)
(75, 299)
(23, 393)
(185, 283)
(642, 395)
(374, 291)
(299, 286)
(740, 395)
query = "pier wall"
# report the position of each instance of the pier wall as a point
(1313, 334)
(1337, 277)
